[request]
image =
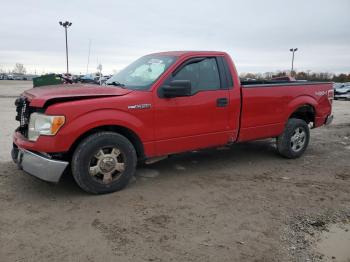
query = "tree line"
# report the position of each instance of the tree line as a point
(308, 75)
(18, 69)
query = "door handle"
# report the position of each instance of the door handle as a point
(221, 102)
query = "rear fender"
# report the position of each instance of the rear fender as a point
(299, 102)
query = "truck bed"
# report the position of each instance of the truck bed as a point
(262, 83)
(266, 105)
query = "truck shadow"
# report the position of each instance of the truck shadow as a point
(18, 183)
(229, 156)
(185, 164)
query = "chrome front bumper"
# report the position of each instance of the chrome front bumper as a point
(39, 166)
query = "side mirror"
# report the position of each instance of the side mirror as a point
(176, 88)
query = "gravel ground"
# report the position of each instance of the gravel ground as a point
(243, 203)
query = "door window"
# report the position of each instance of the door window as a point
(204, 75)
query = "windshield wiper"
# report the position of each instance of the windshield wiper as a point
(115, 83)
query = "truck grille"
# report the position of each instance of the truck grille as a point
(23, 113)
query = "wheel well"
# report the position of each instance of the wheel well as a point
(129, 134)
(306, 113)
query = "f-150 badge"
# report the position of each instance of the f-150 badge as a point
(321, 93)
(140, 106)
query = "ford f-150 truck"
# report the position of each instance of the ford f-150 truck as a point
(161, 104)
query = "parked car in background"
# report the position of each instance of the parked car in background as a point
(76, 78)
(19, 77)
(90, 78)
(336, 85)
(30, 77)
(9, 77)
(342, 91)
(105, 78)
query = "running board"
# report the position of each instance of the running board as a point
(155, 159)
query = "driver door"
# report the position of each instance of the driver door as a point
(196, 121)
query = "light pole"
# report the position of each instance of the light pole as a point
(66, 25)
(293, 50)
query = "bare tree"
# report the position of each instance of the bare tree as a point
(301, 75)
(19, 69)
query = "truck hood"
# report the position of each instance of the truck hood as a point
(39, 96)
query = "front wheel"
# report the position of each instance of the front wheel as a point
(104, 162)
(293, 142)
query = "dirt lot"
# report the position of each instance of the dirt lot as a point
(243, 203)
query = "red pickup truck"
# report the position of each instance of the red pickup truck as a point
(161, 104)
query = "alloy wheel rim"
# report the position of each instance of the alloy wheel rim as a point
(107, 165)
(298, 139)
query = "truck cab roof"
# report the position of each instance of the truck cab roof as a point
(185, 53)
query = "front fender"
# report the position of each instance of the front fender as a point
(76, 127)
(104, 117)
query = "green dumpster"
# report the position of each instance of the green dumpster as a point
(46, 80)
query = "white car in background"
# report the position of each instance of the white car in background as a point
(9, 77)
(342, 91)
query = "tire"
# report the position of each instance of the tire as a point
(293, 142)
(103, 163)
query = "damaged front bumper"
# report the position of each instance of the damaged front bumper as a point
(37, 165)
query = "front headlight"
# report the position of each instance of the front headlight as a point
(40, 124)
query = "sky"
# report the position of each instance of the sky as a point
(257, 34)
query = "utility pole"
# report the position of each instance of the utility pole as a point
(88, 61)
(99, 68)
(66, 25)
(293, 50)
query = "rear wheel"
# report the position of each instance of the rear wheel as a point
(293, 142)
(104, 162)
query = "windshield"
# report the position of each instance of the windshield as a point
(142, 73)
